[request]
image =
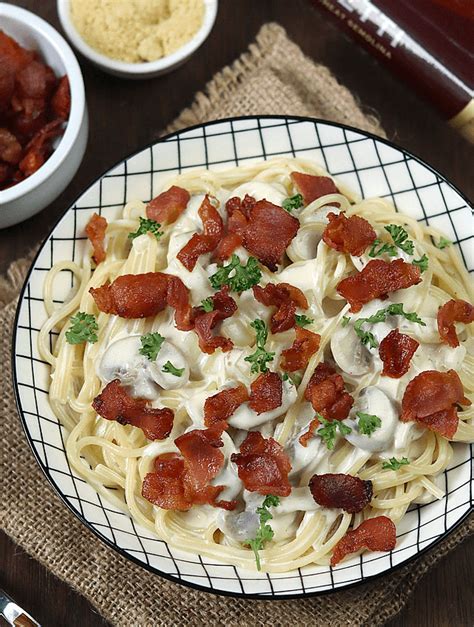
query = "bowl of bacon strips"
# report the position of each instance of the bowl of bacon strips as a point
(43, 115)
(255, 376)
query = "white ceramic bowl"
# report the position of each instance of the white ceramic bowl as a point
(23, 200)
(137, 70)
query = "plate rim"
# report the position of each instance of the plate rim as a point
(271, 596)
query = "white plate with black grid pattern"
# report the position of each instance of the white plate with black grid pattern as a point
(366, 164)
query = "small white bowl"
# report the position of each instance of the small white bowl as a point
(23, 200)
(137, 70)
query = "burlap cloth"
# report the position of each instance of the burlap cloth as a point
(272, 77)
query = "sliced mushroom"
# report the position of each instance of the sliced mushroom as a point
(374, 402)
(273, 193)
(348, 351)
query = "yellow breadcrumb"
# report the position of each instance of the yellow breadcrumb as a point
(137, 30)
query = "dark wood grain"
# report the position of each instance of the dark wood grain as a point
(124, 116)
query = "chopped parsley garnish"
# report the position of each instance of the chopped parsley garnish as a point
(151, 344)
(380, 248)
(345, 321)
(422, 263)
(395, 309)
(147, 226)
(400, 238)
(207, 304)
(264, 532)
(260, 357)
(83, 328)
(293, 202)
(302, 320)
(293, 377)
(329, 429)
(443, 243)
(368, 423)
(168, 367)
(395, 464)
(237, 276)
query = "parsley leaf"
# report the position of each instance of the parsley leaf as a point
(345, 321)
(207, 304)
(260, 357)
(389, 249)
(329, 429)
(395, 309)
(293, 377)
(443, 243)
(168, 367)
(293, 202)
(264, 532)
(243, 277)
(422, 263)
(147, 226)
(83, 329)
(366, 337)
(151, 344)
(400, 238)
(368, 423)
(395, 464)
(302, 320)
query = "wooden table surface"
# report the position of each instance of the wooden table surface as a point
(126, 115)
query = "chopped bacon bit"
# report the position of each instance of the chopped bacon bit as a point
(338, 490)
(10, 147)
(95, 231)
(396, 351)
(325, 391)
(168, 206)
(61, 101)
(228, 244)
(266, 392)
(286, 298)
(224, 307)
(114, 403)
(269, 232)
(303, 348)
(348, 235)
(38, 149)
(451, 312)
(312, 187)
(205, 242)
(375, 534)
(144, 295)
(222, 405)
(430, 399)
(180, 482)
(245, 206)
(376, 280)
(35, 80)
(12, 55)
(263, 465)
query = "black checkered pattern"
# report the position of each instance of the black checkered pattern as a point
(368, 165)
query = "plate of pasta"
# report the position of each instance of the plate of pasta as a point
(244, 357)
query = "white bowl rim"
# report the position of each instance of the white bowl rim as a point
(129, 556)
(137, 69)
(78, 100)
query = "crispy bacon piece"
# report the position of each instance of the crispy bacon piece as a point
(430, 399)
(114, 403)
(228, 244)
(451, 312)
(263, 465)
(442, 388)
(376, 280)
(286, 298)
(338, 490)
(35, 80)
(205, 242)
(168, 206)
(312, 187)
(95, 231)
(348, 235)
(238, 212)
(375, 534)
(325, 391)
(222, 405)
(10, 147)
(144, 295)
(303, 348)
(224, 307)
(180, 482)
(61, 100)
(39, 148)
(396, 351)
(266, 392)
(12, 55)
